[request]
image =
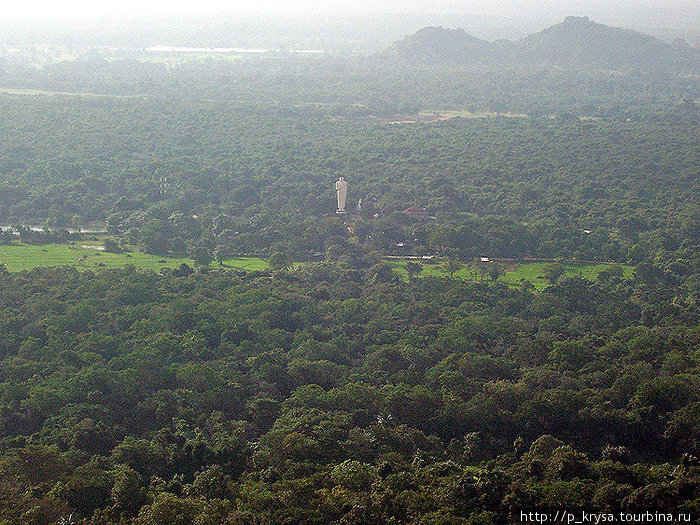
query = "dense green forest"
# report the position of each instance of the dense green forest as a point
(340, 393)
(260, 179)
(236, 352)
(361, 85)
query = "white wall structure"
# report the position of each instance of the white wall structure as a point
(341, 190)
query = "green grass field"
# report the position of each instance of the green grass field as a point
(250, 264)
(528, 272)
(85, 254)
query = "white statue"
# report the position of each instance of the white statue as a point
(341, 189)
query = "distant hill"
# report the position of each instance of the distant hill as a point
(578, 40)
(437, 44)
(575, 42)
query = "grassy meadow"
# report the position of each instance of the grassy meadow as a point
(514, 275)
(90, 255)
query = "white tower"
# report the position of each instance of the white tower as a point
(341, 190)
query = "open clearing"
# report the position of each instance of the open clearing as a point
(250, 264)
(42, 92)
(514, 276)
(463, 113)
(91, 255)
(18, 257)
(427, 117)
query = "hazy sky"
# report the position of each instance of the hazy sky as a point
(74, 8)
(515, 8)
(489, 19)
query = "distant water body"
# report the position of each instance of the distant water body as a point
(221, 50)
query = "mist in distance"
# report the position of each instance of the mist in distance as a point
(363, 25)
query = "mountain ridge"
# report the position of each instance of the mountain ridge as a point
(576, 41)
